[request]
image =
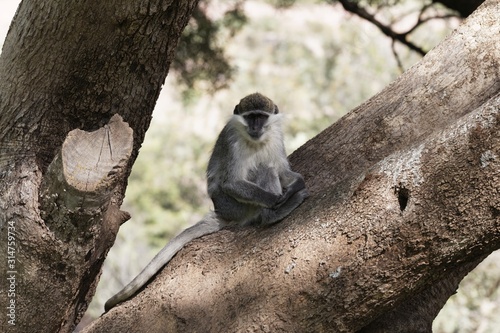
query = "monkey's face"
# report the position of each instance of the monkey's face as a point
(256, 116)
(255, 123)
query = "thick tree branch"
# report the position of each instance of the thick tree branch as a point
(80, 180)
(77, 187)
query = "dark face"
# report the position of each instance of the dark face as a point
(255, 122)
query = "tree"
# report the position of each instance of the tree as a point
(405, 189)
(79, 83)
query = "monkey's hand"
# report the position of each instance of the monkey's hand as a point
(281, 210)
(295, 188)
(250, 193)
(292, 182)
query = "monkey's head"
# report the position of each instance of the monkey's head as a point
(256, 112)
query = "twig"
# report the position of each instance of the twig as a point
(386, 30)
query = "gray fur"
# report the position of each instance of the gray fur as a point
(249, 181)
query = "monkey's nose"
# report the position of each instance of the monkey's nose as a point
(254, 134)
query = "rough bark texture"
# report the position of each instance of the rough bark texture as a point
(79, 83)
(405, 201)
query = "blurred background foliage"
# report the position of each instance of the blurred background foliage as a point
(317, 60)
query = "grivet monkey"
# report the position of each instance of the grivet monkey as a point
(249, 181)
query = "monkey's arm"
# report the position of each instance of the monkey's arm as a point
(250, 193)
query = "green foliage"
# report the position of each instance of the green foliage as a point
(200, 57)
(313, 62)
(203, 65)
(166, 186)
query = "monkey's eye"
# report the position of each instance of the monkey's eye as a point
(256, 116)
(256, 120)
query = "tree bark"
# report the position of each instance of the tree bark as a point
(79, 83)
(405, 201)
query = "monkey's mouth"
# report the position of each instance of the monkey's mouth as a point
(255, 135)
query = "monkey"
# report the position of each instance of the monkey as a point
(249, 180)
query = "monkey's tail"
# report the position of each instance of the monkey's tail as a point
(209, 224)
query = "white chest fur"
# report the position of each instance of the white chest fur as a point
(267, 152)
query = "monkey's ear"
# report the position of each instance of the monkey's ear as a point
(276, 110)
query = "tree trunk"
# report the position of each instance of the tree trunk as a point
(79, 83)
(405, 201)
